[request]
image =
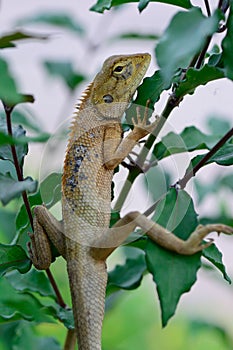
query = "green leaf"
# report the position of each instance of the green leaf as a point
(5, 151)
(57, 19)
(184, 25)
(65, 71)
(25, 337)
(156, 175)
(224, 156)
(218, 125)
(11, 188)
(17, 306)
(190, 139)
(7, 41)
(102, 5)
(8, 90)
(65, 316)
(32, 281)
(215, 257)
(197, 77)
(227, 55)
(23, 118)
(136, 36)
(127, 276)
(13, 257)
(173, 274)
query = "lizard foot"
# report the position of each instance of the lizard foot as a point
(195, 242)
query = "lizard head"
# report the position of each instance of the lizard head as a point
(116, 83)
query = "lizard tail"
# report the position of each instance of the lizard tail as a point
(88, 286)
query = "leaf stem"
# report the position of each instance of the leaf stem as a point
(8, 111)
(183, 182)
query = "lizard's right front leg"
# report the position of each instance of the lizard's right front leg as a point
(46, 229)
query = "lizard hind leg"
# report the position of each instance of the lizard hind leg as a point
(46, 230)
(160, 235)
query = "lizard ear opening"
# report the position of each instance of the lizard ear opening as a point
(108, 98)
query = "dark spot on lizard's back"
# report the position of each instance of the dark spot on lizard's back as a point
(78, 162)
(72, 182)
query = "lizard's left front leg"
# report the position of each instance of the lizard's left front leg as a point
(116, 235)
(116, 150)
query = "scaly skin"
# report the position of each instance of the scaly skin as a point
(83, 238)
(86, 188)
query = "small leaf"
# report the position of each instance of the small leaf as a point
(13, 257)
(7, 40)
(61, 20)
(17, 306)
(173, 274)
(65, 316)
(215, 257)
(102, 5)
(25, 337)
(218, 125)
(5, 151)
(227, 46)
(11, 188)
(65, 71)
(188, 140)
(136, 36)
(197, 77)
(8, 90)
(33, 281)
(184, 25)
(127, 276)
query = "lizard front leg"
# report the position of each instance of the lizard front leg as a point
(116, 235)
(46, 229)
(117, 149)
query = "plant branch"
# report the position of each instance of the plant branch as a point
(8, 111)
(182, 183)
(207, 8)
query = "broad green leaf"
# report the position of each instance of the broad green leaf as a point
(215, 257)
(32, 281)
(17, 306)
(197, 77)
(21, 150)
(188, 140)
(65, 71)
(25, 337)
(224, 156)
(8, 89)
(11, 188)
(22, 220)
(65, 316)
(153, 177)
(25, 118)
(7, 40)
(184, 38)
(151, 89)
(173, 274)
(218, 125)
(7, 224)
(57, 19)
(13, 257)
(227, 46)
(50, 189)
(127, 276)
(102, 5)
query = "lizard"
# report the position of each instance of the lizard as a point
(95, 148)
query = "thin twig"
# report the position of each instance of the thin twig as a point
(182, 183)
(8, 111)
(207, 8)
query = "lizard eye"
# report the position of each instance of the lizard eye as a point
(108, 98)
(118, 69)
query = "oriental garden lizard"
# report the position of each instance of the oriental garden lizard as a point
(96, 147)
